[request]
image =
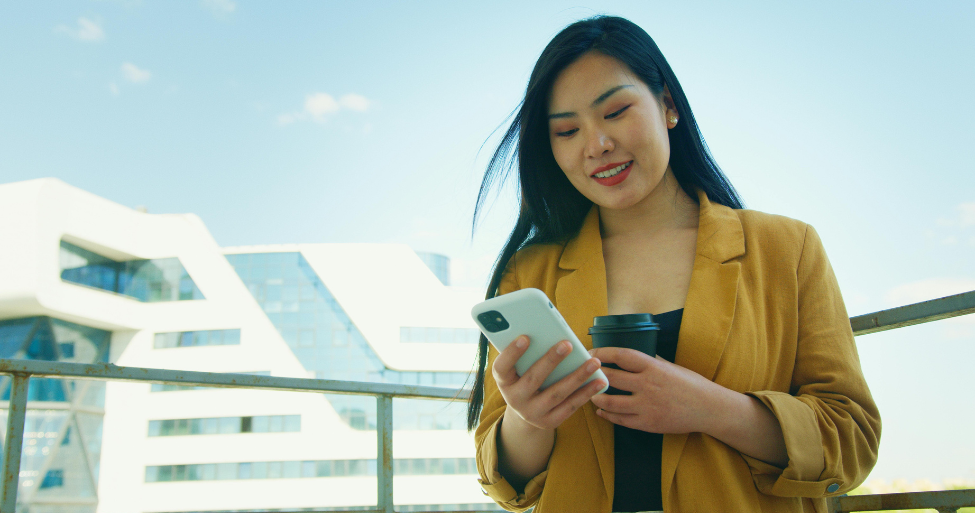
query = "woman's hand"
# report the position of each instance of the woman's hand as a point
(527, 433)
(543, 409)
(666, 398)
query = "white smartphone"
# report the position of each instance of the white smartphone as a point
(504, 318)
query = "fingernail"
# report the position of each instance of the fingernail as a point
(593, 365)
(592, 352)
(521, 342)
(562, 348)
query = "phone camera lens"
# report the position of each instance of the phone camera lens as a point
(493, 321)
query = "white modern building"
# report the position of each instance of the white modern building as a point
(83, 279)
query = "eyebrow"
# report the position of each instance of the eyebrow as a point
(594, 103)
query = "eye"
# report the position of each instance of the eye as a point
(612, 115)
(567, 133)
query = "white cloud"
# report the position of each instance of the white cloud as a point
(220, 6)
(87, 30)
(355, 102)
(924, 290)
(134, 74)
(964, 219)
(966, 213)
(319, 106)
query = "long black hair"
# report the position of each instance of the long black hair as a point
(552, 210)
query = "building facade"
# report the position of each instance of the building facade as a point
(83, 279)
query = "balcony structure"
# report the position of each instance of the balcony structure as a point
(264, 377)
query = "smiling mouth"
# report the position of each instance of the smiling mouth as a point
(612, 172)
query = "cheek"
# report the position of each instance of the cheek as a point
(562, 153)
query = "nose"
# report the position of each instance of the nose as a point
(599, 144)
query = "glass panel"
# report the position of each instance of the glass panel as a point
(292, 423)
(274, 470)
(13, 335)
(291, 469)
(72, 477)
(275, 424)
(230, 425)
(226, 471)
(231, 337)
(145, 280)
(259, 470)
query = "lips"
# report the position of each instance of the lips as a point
(612, 174)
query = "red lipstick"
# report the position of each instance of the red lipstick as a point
(609, 181)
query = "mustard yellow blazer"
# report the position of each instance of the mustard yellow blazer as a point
(763, 316)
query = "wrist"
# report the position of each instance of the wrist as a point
(515, 424)
(723, 409)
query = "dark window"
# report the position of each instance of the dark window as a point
(53, 479)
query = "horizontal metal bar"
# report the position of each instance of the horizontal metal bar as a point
(64, 501)
(50, 405)
(107, 371)
(917, 313)
(912, 500)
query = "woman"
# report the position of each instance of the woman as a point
(756, 400)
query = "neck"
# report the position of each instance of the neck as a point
(667, 207)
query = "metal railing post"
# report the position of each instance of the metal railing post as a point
(384, 451)
(14, 442)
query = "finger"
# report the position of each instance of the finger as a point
(576, 400)
(539, 371)
(563, 388)
(622, 419)
(622, 404)
(628, 359)
(504, 365)
(621, 379)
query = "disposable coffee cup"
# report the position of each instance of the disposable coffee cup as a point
(631, 331)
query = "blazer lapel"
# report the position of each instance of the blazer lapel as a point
(580, 296)
(708, 310)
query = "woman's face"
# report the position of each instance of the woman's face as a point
(609, 131)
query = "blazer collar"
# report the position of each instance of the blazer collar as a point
(586, 245)
(719, 234)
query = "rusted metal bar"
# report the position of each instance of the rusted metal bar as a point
(14, 442)
(917, 313)
(111, 372)
(384, 451)
(945, 500)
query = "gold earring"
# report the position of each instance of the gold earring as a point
(672, 119)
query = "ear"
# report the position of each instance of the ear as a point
(671, 117)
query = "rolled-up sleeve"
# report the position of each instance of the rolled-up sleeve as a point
(829, 419)
(496, 486)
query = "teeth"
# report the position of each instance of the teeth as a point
(612, 172)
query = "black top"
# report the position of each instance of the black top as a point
(638, 452)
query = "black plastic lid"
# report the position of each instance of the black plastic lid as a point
(625, 322)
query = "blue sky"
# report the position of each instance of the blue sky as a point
(364, 122)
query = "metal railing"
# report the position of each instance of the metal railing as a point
(22, 370)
